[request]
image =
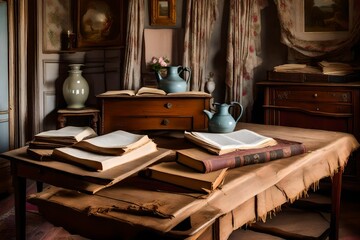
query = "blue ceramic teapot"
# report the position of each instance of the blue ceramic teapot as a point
(173, 83)
(221, 121)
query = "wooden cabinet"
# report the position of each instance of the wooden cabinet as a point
(153, 113)
(327, 106)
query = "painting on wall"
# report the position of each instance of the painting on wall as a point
(319, 20)
(57, 22)
(326, 16)
(162, 12)
(99, 23)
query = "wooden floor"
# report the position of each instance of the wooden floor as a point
(39, 228)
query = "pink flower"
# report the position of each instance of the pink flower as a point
(157, 63)
(154, 60)
(163, 63)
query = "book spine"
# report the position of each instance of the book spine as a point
(234, 160)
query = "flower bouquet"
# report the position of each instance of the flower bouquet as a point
(157, 63)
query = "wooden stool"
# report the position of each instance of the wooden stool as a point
(93, 113)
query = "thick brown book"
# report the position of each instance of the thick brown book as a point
(204, 161)
(177, 174)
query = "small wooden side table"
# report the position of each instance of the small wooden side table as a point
(93, 113)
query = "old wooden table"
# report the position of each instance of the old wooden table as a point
(225, 210)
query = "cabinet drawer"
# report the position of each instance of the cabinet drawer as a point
(312, 95)
(148, 123)
(155, 107)
(316, 106)
(153, 113)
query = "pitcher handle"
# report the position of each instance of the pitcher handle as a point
(187, 69)
(241, 108)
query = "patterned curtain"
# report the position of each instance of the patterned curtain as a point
(242, 52)
(135, 29)
(200, 18)
(287, 11)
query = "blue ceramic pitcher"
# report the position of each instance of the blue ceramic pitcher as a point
(221, 121)
(173, 83)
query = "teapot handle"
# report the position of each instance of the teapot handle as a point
(186, 69)
(241, 108)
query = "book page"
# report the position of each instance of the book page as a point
(148, 90)
(238, 139)
(117, 139)
(77, 133)
(118, 92)
(99, 161)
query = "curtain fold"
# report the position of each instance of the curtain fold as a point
(288, 11)
(200, 18)
(133, 50)
(243, 48)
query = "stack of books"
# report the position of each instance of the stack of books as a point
(236, 149)
(203, 167)
(336, 68)
(43, 143)
(296, 68)
(106, 151)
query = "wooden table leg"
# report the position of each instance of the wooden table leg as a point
(335, 205)
(20, 206)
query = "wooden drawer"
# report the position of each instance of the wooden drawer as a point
(318, 107)
(312, 95)
(154, 107)
(153, 113)
(149, 123)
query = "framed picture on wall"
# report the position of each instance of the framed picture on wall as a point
(100, 23)
(162, 12)
(318, 20)
(57, 20)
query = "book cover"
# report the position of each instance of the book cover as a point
(114, 143)
(100, 162)
(222, 143)
(203, 161)
(177, 174)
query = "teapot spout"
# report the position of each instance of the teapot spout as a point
(208, 113)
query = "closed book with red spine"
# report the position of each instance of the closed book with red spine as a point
(204, 161)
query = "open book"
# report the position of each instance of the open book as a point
(98, 161)
(64, 136)
(174, 173)
(221, 143)
(150, 91)
(114, 143)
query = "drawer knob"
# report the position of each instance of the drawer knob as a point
(165, 122)
(317, 109)
(168, 105)
(315, 95)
